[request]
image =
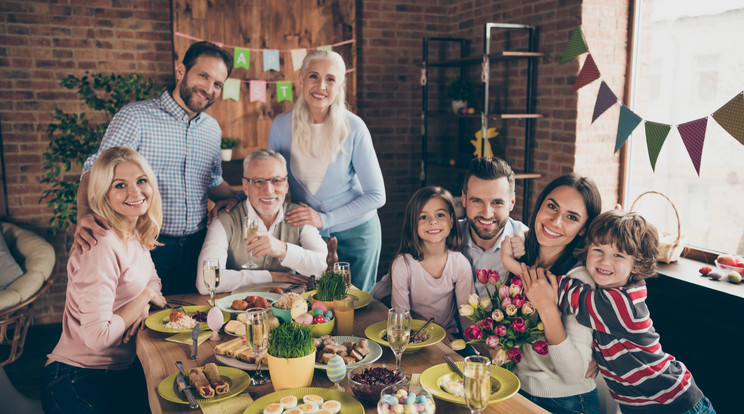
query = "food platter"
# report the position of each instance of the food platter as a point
(238, 380)
(349, 405)
(436, 334)
(236, 363)
(375, 352)
(157, 320)
(431, 378)
(226, 302)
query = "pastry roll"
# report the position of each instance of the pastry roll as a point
(200, 382)
(213, 375)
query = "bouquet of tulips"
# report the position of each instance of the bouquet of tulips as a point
(504, 320)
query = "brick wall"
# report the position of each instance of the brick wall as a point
(42, 41)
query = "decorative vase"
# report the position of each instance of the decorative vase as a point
(458, 105)
(329, 304)
(291, 372)
(227, 154)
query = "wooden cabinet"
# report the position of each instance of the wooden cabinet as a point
(504, 103)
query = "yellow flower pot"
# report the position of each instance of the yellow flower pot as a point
(291, 373)
(329, 304)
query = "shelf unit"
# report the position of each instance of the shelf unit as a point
(465, 62)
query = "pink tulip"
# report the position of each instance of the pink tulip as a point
(486, 324)
(473, 332)
(492, 341)
(518, 300)
(515, 355)
(541, 347)
(519, 324)
(505, 303)
(500, 330)
(516, 280)
(482, 275)
(493, 277)
(504, 291)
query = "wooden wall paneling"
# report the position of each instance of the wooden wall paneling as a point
(280, 24)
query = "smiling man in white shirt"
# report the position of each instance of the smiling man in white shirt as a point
(281, 251)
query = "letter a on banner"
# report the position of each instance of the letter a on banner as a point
(242, 58)
(284, 91)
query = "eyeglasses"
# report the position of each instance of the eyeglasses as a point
(260, 182)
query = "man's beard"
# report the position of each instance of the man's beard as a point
(187, 93)
(485, 234)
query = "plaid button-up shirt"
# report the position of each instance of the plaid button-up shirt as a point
(185, 156)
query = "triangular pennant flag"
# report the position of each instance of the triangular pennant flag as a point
(605, 99)
(731, 117)
(693, 135)
(627, 122)
(258, 90)
(656, 134)
(231, 89)
(270, 60)
(242, 58)
(325, 47)
(589, 73)
(575, 47)
(297, 57)
(284, 91)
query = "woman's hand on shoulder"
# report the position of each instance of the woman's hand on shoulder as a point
(304, 215)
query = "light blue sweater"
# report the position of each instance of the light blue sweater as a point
(352, 189)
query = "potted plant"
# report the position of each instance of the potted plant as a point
(459, 92)
(330, 286)
(227, 145)
(291, 356)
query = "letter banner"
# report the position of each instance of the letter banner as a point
(625, 125)
(270, 60)
(258, 90)
(731, 117)
(693, 135)
(284, 91)
(656, 134)
(576, 46)
(605, 99)
(231, 89)
(297, 56)
(241, 58)
(325, 47)
(589, 73)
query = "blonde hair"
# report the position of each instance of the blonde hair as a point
(101, 178)
(335, 123)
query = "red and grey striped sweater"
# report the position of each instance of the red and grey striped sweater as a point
(641, 377)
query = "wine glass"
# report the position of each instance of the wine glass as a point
(345, 269)
(398, 332)
(257, 336)
(477, 382)
(250, 227)
(211, 276)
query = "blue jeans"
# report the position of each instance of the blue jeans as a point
(704, 406)
(361, 246)
(68, 389)
(583, 403)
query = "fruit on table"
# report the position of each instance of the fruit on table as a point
(705, 270)
(734, 277)
(714, 275)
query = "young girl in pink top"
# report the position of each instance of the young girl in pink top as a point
(427, 268)
(93, 368)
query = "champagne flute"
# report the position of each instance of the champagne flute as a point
(257, 336)
(398, 332)
(250, 227)
(345, 269)
(211, 277)
(477, 382)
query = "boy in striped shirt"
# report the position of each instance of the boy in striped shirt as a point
(620, 253)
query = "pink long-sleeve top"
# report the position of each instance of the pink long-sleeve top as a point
(100, 281)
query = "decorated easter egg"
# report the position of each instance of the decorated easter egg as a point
(319, 319)
(328, 314)
(320, 305)
(299, 307)
(317, 312)
(215, 319)
(336, 369)
(305, 319)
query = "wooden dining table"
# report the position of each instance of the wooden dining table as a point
(158, 358)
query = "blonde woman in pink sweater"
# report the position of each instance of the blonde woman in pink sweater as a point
(93, 368)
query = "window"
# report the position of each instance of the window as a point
(688, 61)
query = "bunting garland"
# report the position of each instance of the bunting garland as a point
(270, 61)
(730, 116)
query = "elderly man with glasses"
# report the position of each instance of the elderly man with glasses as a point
(281, 252)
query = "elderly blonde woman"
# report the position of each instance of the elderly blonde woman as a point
(333, 170)
(109, 290)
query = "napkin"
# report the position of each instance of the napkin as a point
(185, 338)
(235, 405)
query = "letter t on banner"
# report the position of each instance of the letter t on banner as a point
(284, 91)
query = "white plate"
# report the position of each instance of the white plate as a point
(225, 302)
(375, 352)
(236, 363)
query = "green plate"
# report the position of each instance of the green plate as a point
(375, 352)
(157, 320)
(238, 380)
(349, 405)
(436, 334)
(431, 377)
(362, 298)
(226, 302)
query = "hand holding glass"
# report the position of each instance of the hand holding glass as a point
(398, 332)
(250, 227)
(211, 277)
(477, 382)
(257, 336)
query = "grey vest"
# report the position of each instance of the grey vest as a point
(236, 254)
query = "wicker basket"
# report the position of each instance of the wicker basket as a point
(670, 245)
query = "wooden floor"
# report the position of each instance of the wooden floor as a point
(26, 372)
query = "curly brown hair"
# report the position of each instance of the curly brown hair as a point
(629, 233)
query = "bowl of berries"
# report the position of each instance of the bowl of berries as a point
(367, 381)
(730, 265)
